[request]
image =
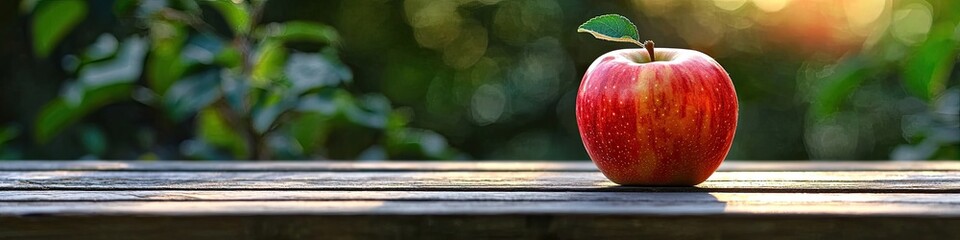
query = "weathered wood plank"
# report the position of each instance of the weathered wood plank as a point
(108, 200)
(301, 195)
(683, 204)
(474, 227)
(407, 202)
(581, 166)
(168, 166)
(850, 181)
(785, 200)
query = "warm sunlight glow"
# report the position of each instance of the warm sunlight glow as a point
(729, 5)
(771, 5)
(863, 12)
(911, 23)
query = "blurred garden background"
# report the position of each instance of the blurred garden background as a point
(456, 79)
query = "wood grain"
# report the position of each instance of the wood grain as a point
(812, 182)
(419, 202)
(579, 166)
(459, 200)
(689, 205)
(301, 195)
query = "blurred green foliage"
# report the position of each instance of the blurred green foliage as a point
(458, 79)
(245, 89)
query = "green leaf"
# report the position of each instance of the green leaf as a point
(611, 27)
(228, 57)
(419, 143)
(926, 72)
(164, 64)
(105, 46)
(214, 129)
(52, 20)
(58, 114)
(300, 31)
(164, 69)
(236, 14)
(311, 130)
(321, 103)
(307, 71)
(831, 91)
(271, 58)
(236, 90)
(122, 7)
(341, 69)
(284, 146)
(269, 107)
(125, 67)
(8, 132)
(368, 112)
(99, 84)
(202, 49)
(190, 94)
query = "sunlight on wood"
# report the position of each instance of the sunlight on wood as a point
(833, 176)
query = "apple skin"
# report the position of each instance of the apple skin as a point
(669, 122)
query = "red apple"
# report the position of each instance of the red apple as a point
(669, 121)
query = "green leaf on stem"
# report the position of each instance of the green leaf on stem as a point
(164, 64)
(931, 63)
(214, 128)
(612, 27)
(228, 57)
(300, 31)
(99, 84)
(237, 15)
(236, 90)
(270, 60)
(830, 92)
(308, 71)
(269, 107)
(52, 20)
(125, 67)
(105, 46)
(190, 94)
(311, 130)
(59, 113)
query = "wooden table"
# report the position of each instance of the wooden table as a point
(450, 200)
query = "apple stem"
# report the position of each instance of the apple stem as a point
(649, 46)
